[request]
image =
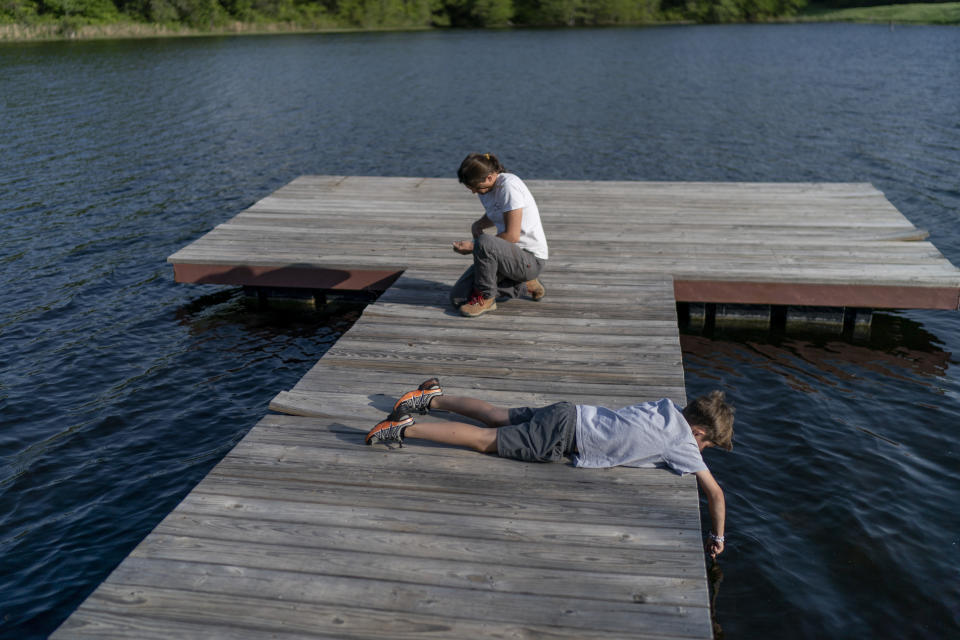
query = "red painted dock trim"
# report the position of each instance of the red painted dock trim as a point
(730, 292)
(817, 295)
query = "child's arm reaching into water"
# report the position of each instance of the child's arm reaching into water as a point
(718, 511)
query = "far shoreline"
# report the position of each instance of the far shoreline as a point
(13, 33)
(931, 14)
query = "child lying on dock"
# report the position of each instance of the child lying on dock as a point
(641, 435)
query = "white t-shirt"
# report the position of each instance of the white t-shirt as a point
(649, 434)
(510, 193)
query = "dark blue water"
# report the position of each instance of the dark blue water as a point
(120, 389)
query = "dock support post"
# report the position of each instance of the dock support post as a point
(703, 317)
(742, 316)
(858, 323)
(692, 315)
(819, 319)
(291, 299)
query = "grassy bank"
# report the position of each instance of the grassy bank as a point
(76, 29)
(122, 30)
(941, 13)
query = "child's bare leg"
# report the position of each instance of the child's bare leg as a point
(480, 410)
(456, 433)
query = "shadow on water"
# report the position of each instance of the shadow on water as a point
(254, 311)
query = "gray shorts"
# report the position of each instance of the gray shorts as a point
(539, 435)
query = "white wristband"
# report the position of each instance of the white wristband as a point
(715, 537)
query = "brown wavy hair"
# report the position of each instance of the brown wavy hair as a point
(714, 415)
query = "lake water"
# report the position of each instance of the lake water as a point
(119, 389)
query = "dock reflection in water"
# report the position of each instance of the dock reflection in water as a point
(895, 347)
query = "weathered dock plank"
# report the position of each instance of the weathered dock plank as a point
(303, 529)
(303, 532)
(755, 243)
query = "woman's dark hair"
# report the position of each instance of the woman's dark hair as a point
(477, 166)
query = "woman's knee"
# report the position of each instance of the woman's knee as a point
(485, 242)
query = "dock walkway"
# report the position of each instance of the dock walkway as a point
(303, 532)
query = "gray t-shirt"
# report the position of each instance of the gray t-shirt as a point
(648, 434)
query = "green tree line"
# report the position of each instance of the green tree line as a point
(368, 14)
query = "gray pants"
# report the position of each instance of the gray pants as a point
(500, 269)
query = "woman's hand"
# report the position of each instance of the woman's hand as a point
(464, 247)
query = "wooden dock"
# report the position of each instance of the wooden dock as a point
(304, 532)
(842, 245)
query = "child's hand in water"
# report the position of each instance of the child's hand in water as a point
(714, 545)
(463, 246)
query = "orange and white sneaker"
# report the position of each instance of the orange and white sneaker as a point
(419, 399)
(389, 430)
(478, 305)
(429, 383)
